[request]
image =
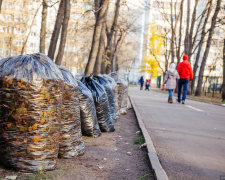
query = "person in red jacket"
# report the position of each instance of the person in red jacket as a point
(186, 74)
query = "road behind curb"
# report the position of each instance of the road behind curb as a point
(154, 160)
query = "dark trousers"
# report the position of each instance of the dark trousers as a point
(182, 83)
(142, 84)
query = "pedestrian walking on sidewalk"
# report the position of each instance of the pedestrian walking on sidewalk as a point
(186, 74)
(141, 81)
(171, 81)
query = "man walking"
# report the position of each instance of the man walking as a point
(186, 74)
(141, 81)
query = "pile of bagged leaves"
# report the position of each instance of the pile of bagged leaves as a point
(109, 92)
(30, 112)
(71, 143)
(122, 86)
(44, 111)
(101, 104)
(88, 117)
(115, 94)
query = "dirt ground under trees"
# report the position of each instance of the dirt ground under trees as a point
(112, 156)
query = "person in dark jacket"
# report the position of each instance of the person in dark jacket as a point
(186, 74)
(141, 81)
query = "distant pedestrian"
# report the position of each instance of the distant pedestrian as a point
(186, 74)
(147, 84)
(170, 81)
(141, 81)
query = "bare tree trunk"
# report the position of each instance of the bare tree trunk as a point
(56, 31)
(62, 44)
(0, 4)
(223, 86)
(180, 32)
(97, 7)
(193, 20)
(186, 41)
(203, 33)
(96, 36)
(116, 44)
(211, 31)
(32, 23)
(101, 48)
(172, 33)
(43, 26)
(108, 52)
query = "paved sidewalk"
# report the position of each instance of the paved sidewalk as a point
(189, 139)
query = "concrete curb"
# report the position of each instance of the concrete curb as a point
(160, 174)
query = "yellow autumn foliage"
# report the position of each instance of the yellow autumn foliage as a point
(153, 51)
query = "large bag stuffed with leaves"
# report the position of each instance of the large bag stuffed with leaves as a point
(108, 89)
(30, 112)
(101, 104)
(89, 121)
(115, 93)
(122, 86)
(71, 143)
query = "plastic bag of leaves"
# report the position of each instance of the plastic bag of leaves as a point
(108, 89)
(115, 93)
(114, 75)
(122, 95)
(71, 143)
(89, 121)
(30, 112)
(122, 86)
(105, 120)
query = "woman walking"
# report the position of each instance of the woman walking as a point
(170, 81)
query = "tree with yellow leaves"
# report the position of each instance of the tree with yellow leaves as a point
(153, 52)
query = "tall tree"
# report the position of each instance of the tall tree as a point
(223, 85)
(109, 49)
(43, 26)
(191, 32)
(186, 40)
(56, 31)
(101, 49)
(63, 32)
(0, 5)
(178, 49)
(203, 34)
(32, 23)
(208, 44)
(96, 37)
(172, 30)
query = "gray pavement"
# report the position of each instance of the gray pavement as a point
(189, 139)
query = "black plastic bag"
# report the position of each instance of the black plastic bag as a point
(30, 112)
(101, 104)
(115, 93)
(89, 121)
(71, 143)
(108, 89)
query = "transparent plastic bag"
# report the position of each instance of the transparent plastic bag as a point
(105, 120)
(89, 121)
(30, 112)
(122, 86)
(71, 143)
(122, 95)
